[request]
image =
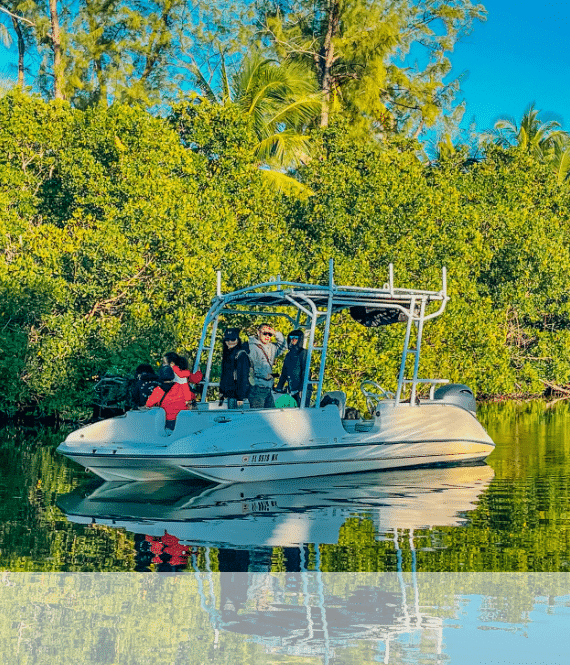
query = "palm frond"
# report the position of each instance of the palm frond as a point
(286, 184)
(297, 113)
(536, 137)
(203, 84)
(560, 162)
(284, 148)
(226, 90)
(247, 76)
(282, 100)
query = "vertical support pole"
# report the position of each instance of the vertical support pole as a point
(307, 375)
(218, 283)
(326, 334)
(210, 317)
(210, 358)
(324, 348)
(405, 352)
(418, 346)
(201, 345)
(391, 278)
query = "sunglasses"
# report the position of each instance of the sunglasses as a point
(294, 336)
(266, 334)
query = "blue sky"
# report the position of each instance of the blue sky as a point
(519, 55)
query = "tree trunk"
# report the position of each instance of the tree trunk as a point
(102, 84)
(21, 51)
(56, 47)
(327, 59)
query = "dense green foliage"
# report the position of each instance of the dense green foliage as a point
(114, 222)
(111, 233)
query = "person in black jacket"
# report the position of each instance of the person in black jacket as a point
(234, 381)
(145, 382)
(293, 370)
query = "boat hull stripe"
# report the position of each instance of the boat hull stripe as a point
(283, 450)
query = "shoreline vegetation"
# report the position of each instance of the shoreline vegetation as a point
(142, 150)
(114, 221)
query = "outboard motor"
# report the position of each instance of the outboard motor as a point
(458, 394)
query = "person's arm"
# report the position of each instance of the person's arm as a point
(242, 382)
(280, 344)
(155, 396)
(304, 354)
(282, 379)
(193, 377)
(303, 365)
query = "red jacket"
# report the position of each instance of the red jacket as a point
(187, 374)
(177, 396)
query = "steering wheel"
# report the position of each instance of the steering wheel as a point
(373, 398)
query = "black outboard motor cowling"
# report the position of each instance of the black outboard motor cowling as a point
(458, 394)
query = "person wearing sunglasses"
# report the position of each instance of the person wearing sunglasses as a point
(262, 355)
(293, 370)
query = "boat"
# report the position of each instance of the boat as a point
(426, 421)
(282, 513)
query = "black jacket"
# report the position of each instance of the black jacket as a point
(234, 381)
(293, 366)
(143, 387)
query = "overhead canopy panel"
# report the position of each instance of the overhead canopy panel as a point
(372, 317)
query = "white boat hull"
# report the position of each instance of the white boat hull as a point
(273, 444)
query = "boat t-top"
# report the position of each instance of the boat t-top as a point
(426, 421)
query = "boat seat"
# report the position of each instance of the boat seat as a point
(183, 419)
(211, 406)
(352, 426)
(142, 425)
(337, 397)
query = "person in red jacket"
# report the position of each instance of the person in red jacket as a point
(174, 394)
(179, 366)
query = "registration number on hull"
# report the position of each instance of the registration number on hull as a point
(259, 506)
(257, 459)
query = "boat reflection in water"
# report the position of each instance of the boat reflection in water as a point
(302, 614)
(298, 613)
(286, 513)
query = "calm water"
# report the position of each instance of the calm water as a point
(450, 566)
(511, 515)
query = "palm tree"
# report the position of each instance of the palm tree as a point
(282, 101)
(536, 137)
(547, 141)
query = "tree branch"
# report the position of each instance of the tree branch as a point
(16, 17)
